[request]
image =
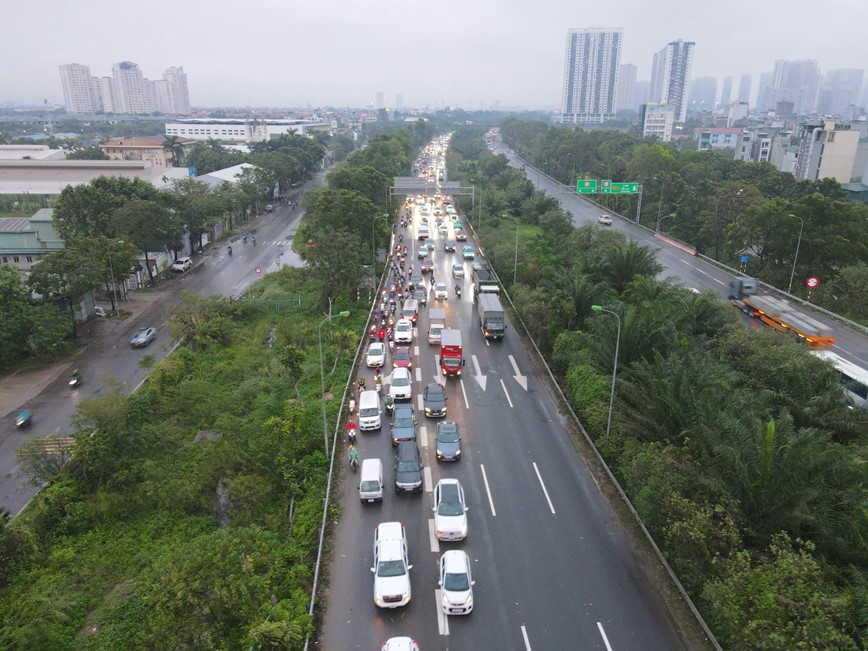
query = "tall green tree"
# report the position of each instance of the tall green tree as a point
(149, 225)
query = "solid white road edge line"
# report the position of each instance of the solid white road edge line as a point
(506, 393)
(442, 618)
(524, 635)
(542, 483)
(605, 639)
(488, 491)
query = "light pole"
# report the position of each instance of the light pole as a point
(660, 201)
(660, 219)
(325, 435)
(796, 258)
(515, 261)
(597, 308)
(112, 274)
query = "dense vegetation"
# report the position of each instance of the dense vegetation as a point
(735, 445)
(725, 208)
(188, 515)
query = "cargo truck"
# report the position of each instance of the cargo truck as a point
(436, 323)
(484, 281)
(451, 360)
(779, 314)
(492, 321)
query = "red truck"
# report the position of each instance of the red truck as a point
(451, 360)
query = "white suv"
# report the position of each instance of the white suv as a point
(391, 566)
(182, 264)
(450, 512)
(403, 332)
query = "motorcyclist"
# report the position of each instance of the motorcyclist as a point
(353, 455)
(458, 290)
(390, 402)
(254, 240)
(351, 431)
(361, 384)
(230, 250)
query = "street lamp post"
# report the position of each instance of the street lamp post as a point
(660, 219)
(796, 258)
(515, 261)
(597, 308)
(325, 435)
(660, 201)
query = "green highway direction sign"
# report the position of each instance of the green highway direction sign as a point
(619, 188)
(586, 186)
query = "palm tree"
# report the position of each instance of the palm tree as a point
(176, 149)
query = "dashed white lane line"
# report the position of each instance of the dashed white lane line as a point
(420, 405)
(416, 351)
(603, 634)
(418, 374)
(524, 635)
(487, 490)
(542, 483)
(442, 618)
(432, 537)
(506, 393)
(426, 477)
(466, 403)
(423, 436)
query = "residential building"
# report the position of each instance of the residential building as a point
(827, 150)
(765, 95)
(726, 93)
(670, 75)
(149, 148)
(399, 102)
(77, 91)
(174, 87)
(641, 92)
(795, 81)
(703, 92)
(716, 138)
(840, 90)
(627, 87)
(590, 81)
(737, 111)
(380, 101)
(236, 130)
(25, 240)
(131, 91)
(657, 120)
(744, 88)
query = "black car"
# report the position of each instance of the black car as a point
(449, 246)
(403, 424)
(408, 468)
(434, 401)
(448, 441)
(421, 295)
(415, 280)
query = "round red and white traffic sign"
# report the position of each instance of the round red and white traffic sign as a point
(258, 270)
(812, 282)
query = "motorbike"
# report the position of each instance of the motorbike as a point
(23, 419)
(230, 250)
(74, 380)
(351, 432)
(458, 291)
(354, 464)
(351, 403)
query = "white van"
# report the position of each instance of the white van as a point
(410, 310)
(369, 410)
(371, 483)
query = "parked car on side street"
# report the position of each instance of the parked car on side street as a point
(182, 264)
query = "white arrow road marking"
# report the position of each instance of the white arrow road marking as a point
(524, 635)
(505, 392)
(442, 618)
(479, 377)
(423, 436)
(521, 379)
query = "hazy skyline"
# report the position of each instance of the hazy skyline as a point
(265, 53)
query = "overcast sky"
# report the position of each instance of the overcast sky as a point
(340, 53)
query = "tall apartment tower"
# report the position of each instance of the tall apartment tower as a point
(670, 75)
(627, 87)
(399, 101)
(796, 81)
(77, 91)
(703, 92)
(380, 100)
(840, 89)
(178, 97)
(744, 88)
(590, 85)
(131, 92)
(726, 93)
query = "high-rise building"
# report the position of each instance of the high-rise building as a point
(77, 91)
(626, 87)
(726, 93)
(840, 89)
(827, 150)
(657, 120)
(641, 92)
(670, 74)
(380, 102)
(744, 88)
(126, 91)
(590, 84)
(796, 81)
(703, 92)
(399, 101)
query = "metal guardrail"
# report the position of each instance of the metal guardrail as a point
(669, 571)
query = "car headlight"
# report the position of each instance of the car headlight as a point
(445, 598)
(427, 410)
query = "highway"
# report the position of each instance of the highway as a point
(677, 264)
(553, 568)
